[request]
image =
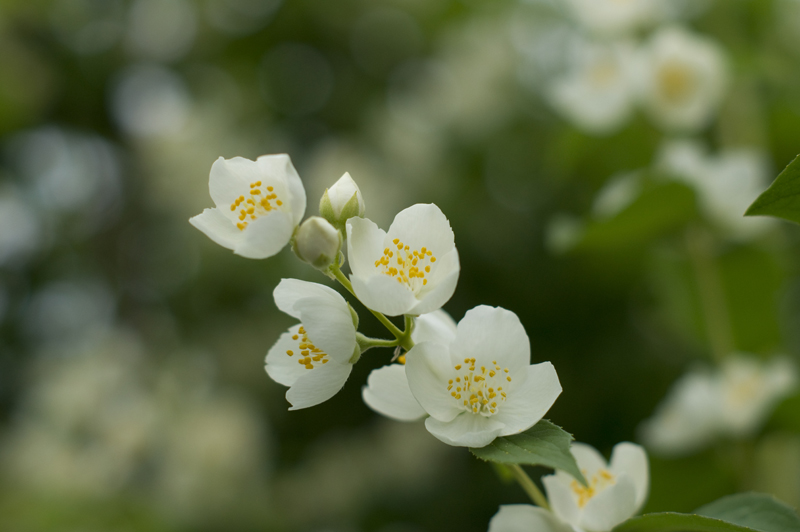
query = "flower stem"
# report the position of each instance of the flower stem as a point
(344, 281)
(365, 342)
(712, 295)
(528, 485)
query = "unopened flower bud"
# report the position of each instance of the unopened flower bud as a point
(317, 242)
(342, 201)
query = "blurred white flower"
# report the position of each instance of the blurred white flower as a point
(726, 183)
(162, 30)
(314, 357)
(733, 401)
(481, 385)
(412, 269)
(614, 17)
(617, 194)
(20, 227)
(258, 205)
(596, 92)
(387, 391)
(681, 79)
(615, 492)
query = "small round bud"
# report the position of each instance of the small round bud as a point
(342, 201)
(317, 242)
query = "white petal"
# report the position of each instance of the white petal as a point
(423, 225)
(631, 459)
(465, 430)
(493, 333)
(280, 166)
(387, 393)
(266, 236)
(365, 245)
(589, 460)
(319, 385)
(525, 518)
(610, 507)
(384, 294)
(428, 370)
(282, 368)
(442, 284)
(527, 404)
(218, 228)
(329, 325)
(561, 497)
(229, 179)
(290, 291)
(436, 326)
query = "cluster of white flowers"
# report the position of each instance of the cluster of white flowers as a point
(472, 381)
(677, 77)
(616, 490)
(733, 401)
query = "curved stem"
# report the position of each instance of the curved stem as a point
(712, 294)
(529, 486)
(344, 281)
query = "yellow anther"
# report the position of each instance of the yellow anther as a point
(466, 361)
(433, 259)
(473, 400)
(396, 240)
(233, 207)
(508, 379)
(250, 201)
(424, 282)
(290, 352)
(301, 330)
(506, 370)
(240, 199)
(279, 203)
(304, 352)
(251, 210)
(458, 366)
(241, 226)
(494, 405)
(255, 192)
(268, 188)
(492, 374)
(423, 250)
(258, 183)
(243, 216)
(401, 359)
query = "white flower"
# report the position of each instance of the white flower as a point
(687, 419)
(412, 269)
(681, 79)
(596, 93)
(751, 389)
(342, 201)
(613, 17)
(387, 391)
(481, 385)
(526, 518)
(312, 358)
(20, 226)
(725, 183)
(734, 402)
(258, 205)
(318, 242)
(615, 492)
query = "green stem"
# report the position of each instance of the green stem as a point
(528, 485)
(712, 295)
(400, 335)
(365, 342)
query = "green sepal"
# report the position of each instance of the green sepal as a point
(354, 316)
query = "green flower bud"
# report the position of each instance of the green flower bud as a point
(342, 201)
(317, 242)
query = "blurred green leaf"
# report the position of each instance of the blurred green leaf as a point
(544, 444)
(661, 208)
(742, 512)
(782, 198)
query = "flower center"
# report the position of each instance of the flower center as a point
(676, 81)
(599, 481)
(258, 203)
(410, 266)
(309, 353)
(477, 390)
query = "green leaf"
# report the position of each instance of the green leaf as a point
(743, 512)
(544, 444)
(753, 510)
(782, 198)
(675, 522)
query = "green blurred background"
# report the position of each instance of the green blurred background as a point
(132, 394)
